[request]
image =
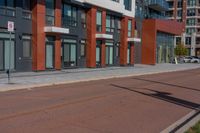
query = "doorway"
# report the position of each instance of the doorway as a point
(50, 42)
(109, 53)
(69, 54)
(7, 54)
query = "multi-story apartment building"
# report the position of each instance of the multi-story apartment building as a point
(188, 12)
(59, 34)
(157, 33)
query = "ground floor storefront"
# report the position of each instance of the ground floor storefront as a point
(158, 40)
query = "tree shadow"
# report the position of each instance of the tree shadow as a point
(167, 84)
(164, 96)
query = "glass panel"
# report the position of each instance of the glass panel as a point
(97, 54)
(1, 54)
(2, 3)
(82, 50)
(107, 55)
(128, 56)
(99, 18)
(66, 53)
(49, 56)
(9, 58)
(27, 48)
(11, 3)
(27, 4)
(111, 56)
(73, 54)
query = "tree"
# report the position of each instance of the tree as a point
(181, 50)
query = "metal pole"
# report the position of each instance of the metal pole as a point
(9, 60)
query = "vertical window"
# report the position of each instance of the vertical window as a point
(118, 25)
(129, 28)
(11, 3)
(69, 15)
(26, 5)
(50, 14)
(127, 4)
(99, 21)
(83, 19)
(83, 49)
(50, 42)
(2, 3)
(26, 46)
(110, 23)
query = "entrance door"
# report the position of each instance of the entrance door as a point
(9, 54)
(109, 54)
(129, 54)
(98, 53)
(69, 55)
(49, 55)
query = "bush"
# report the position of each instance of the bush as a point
(181, 50)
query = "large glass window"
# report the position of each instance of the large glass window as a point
(69, 53)
(50, 42)
(7, 51)
(69, 15)
(99, 21)
(98, 53)
(118, 25)
(110, 23)
(127, 4)
(83, 19)
(109, 53)
(26, 46)
(129, 28)
(7, 11)
(50, 13)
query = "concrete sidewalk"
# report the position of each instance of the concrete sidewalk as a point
(28, 80)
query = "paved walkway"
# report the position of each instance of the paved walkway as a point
(28, 80)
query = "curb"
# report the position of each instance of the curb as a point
(30, 87)
(183, 124)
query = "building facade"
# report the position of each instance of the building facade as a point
(187, 11)
(60, 34)
(157, 33)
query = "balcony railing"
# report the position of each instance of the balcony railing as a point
(8, 11)
(159, 5)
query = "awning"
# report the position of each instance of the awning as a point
(134, 40)
(53, 29)
(104, 36)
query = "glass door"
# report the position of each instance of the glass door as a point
(9, 55)
(109, 53)
(69, 55)
(49, 55)
(129, 54)
(98, 53)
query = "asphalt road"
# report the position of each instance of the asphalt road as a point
(141, 104)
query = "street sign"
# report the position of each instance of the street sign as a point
(11, 26)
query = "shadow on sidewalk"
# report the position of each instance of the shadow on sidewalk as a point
(165, 96)
(167, 84)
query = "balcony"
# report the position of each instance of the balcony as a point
(158, 5)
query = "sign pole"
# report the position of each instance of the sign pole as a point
(10, 29)
(9, 71)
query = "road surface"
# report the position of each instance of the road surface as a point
(140, 104)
